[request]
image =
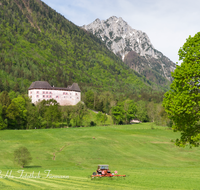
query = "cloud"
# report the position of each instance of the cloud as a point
(167, 23)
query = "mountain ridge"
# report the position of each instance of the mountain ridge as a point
(122, 39)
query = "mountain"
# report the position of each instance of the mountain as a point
(134, 48)
(39, 44)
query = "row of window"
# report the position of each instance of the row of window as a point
(49, 96)
(43, 92)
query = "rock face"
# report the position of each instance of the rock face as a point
(134, 47)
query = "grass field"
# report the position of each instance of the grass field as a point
(147, 156)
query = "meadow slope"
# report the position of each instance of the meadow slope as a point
(147, 156)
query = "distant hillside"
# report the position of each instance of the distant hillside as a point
(134, 48)
(37, 43)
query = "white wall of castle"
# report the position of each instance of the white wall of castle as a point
(64, 98)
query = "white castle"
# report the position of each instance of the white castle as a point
(42, 90)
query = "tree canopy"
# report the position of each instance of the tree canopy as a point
(22, 156)
(182, 102)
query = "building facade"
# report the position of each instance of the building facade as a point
(42, 90)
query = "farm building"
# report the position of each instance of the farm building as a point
(42, 90)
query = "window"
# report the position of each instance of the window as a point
(46, 92)
(76, 93)
(30, 92)
(43, 96)
(43, 92)
(63, 93)
(50, 92)
(66, 93)
(77, 97)
(37, 92)
(46, 96)
(37, 96)
(50, 96)
(57, 96)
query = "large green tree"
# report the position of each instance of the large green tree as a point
(130, 110)
(79, 110)
(182, 102)
(22, 156)
(17, 113)
(117, 114)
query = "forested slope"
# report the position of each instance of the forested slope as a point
(37, 43)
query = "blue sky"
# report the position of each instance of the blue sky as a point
(167, 22)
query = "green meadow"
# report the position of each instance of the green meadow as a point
(65, 158)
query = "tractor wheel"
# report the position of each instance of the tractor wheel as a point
(94, 173)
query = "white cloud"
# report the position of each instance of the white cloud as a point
(167, 23)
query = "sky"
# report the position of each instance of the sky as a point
(168, 23)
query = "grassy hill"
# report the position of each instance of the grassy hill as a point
(146, 154)
(37, 43)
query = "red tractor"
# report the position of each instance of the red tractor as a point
(103, 171)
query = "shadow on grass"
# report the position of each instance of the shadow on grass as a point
(32, 166)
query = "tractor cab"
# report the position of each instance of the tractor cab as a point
(103, 169)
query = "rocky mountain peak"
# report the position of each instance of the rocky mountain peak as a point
(120, 37)
(123, 39)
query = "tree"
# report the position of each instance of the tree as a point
(22, 156)
(3, 123)
(67, 112)
(102, 117)
(89, 99)
(17, 113)
(182, 101)
(52, 113)
(141, 113)
(17, 87)
(7, 87)
(5, 102)
(78, 113)
(130, 110)
(152, 111)
(117, 114)
(32, 115)
(1, 86)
